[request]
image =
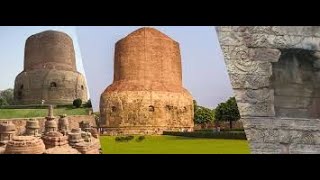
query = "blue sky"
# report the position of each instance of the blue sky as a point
(12, 42)
(204, 71)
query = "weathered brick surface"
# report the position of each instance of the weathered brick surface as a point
(50, 72)
(146, 95)
(25, 145)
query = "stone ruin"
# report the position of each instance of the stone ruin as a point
(146, 96)
(56, 139)
(50, 75)
(275, 75)
(63, 124)
(24, 145)
(32, 128)
(7, 130)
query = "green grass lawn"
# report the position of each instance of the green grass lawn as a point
(28, 113)
(174, 145)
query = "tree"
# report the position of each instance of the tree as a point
(7, 95)
(3, 102)
(203, 115)
(77, 103)
(228, 111)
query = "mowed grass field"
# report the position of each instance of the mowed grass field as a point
(174, 145)
(29, 113)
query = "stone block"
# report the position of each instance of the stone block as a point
(249, 81)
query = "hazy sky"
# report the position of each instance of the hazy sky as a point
(12, 42)
(204, 71)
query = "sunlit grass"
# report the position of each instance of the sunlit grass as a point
(28, 113)
(174, 145)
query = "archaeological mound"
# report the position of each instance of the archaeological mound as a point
(147, 95)
(50, 75)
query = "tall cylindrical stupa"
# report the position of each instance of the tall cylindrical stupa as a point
(50, 74)
(146, 96)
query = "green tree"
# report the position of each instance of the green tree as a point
(203, 115)
(7, 95)
(228, 111)
(3, 102)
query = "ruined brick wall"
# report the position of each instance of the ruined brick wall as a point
(49, 50)
(147, 59)
(147, 94)
(73, 122)
(50, 72)
(274, 71)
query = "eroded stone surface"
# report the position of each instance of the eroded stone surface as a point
(92, 147)
(66, 149)
(7, 131)
(274, 71)
(32, 128)
(54, 138)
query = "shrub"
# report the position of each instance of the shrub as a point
(129, 138)
(77, 103)
(124, 138)
(213, 135)
(232, 129)
(140, 138)
(118, 139)
(70, 106)
(213, 129)
(88, 104)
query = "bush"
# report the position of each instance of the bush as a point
(65, 106)
(224, 130)
(118, 139)
(77, 103)
(124, 138)
(140, 138)
(88, 104)
(129, 138)
(213, 135)
(232, 129)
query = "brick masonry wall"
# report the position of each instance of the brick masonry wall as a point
(73, 122)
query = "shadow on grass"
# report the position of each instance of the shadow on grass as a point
(177, 137)
(197, 138)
